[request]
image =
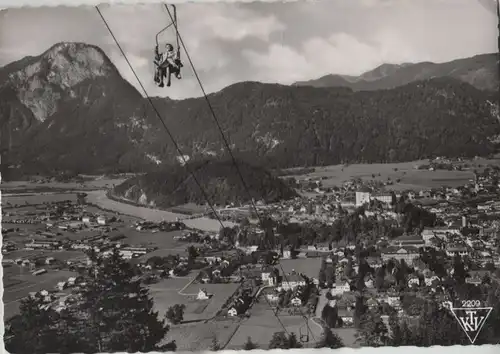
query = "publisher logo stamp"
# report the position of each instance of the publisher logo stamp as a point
(471, 316)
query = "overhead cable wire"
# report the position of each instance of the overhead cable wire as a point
(225, 141)
(161, 120)
(212, 111)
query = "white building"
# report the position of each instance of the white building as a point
(232, 312)
(292, 281)
(362, 197)
(340, 288)
(268, 279)
(203, 295)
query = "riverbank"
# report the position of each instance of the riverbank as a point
(100, 199)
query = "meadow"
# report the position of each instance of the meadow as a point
(172, 291)
(94, 182)
(22, 282)
(262, 324)
(34, 199)
(308, 266)
(199, 336)
(163, 240)
(410, 177)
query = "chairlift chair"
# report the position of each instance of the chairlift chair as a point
(178, 50)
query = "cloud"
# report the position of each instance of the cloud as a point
(339, 53)
(272, 42)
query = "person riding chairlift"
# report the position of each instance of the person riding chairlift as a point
(168, 63)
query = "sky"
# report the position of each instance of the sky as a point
(281, 42)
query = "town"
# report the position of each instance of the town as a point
(302, 265)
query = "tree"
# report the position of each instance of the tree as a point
(33, 330)
(215, 345)
(282, 340)
(114, 313)
(117, 310)
(175, 314)
(459, 272)
(359, 310)
(249, 345)
(192, 252)
(372, 331)
(330, 315)
(401, 335)
(329, 340)
(380, 278)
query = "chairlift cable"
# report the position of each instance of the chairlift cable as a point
(228, 148)
(161, 119)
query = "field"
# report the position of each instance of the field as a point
(410, 178)
(263, 324)
(308, 266)
(188, 209)
(96, 183)
(19, 283)
(169, 292)
(198, 337)
(20, 199)
(348, 336)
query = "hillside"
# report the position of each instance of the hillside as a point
(479, 71)
(61, 108)
(69, 109)
(219, 179)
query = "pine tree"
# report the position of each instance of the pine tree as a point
(215, 345)
(249, 345)
(330, 340)
(372, 331)
(33, 330)
(117, 309)
(282, 340)
(175, 314)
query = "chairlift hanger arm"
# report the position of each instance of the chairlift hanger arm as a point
(163, 30)
(173, 23)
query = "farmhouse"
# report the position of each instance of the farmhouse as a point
(203, 295)
(296, 301)
(101, 220)
(232, 312)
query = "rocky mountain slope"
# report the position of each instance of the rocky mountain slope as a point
(68, 102)
(479, 71)
(219, 179)
(69, 109)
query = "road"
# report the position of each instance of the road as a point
(100, 199)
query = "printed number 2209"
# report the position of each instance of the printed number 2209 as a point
(471, 303)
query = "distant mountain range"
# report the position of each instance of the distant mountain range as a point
(480, 71)
(69, 109)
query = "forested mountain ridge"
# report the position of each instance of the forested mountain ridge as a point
(481, 71)
(82, 116)
(220, 180)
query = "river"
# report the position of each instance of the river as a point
(100, 199)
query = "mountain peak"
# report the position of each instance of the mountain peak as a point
(40, 82)
(382, 71)
(480, 71)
